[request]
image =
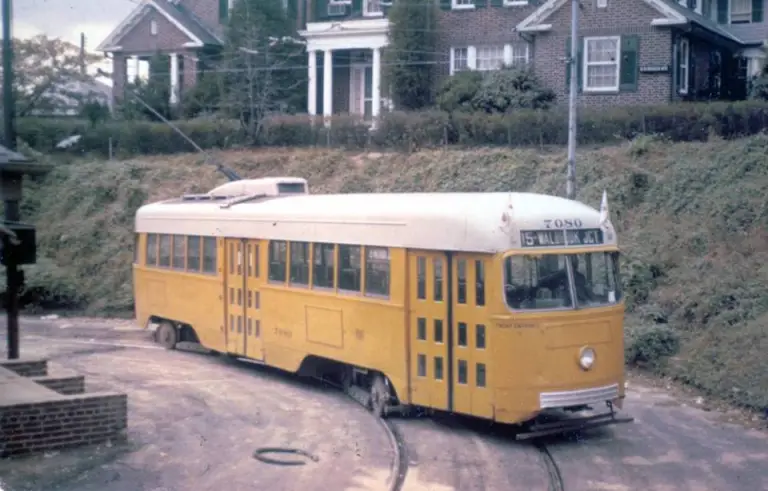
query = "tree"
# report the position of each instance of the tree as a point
(409, 66)
(264, 65)
(49, 75)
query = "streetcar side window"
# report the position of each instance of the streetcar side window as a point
(437, 268)
(461, 283)
(421, 278)
(136, 245)
(350, 268)
(278, 252)
(323, 265)
(377, 271)
(179, 245)
(300, 263)
(193, 254)
(151, 250)
(479, 283)
(165, 251)
(209, 255)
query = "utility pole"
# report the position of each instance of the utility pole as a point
(574, 64)
(9, 108)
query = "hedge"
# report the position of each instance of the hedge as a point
(409, 131)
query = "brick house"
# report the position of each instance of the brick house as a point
(186, 30)
(631, 51)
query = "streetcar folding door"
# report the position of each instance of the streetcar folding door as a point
(242, 293)
(428, 329)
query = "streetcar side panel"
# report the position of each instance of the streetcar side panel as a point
(182, 283)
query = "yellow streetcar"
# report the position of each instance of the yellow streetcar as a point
(495, 305)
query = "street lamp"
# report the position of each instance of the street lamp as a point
(17, 239)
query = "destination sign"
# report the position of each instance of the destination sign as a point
(561, 238)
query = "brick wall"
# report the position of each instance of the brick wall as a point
(26, 367)
(140, 39)
(208, 13)
(620, 17)
(73, 384)
(65, 422)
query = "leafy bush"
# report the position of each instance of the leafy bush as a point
(650, 344)
(457, 93)
(425, 129)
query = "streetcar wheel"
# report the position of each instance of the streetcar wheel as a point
(167, 335)
(379, 397)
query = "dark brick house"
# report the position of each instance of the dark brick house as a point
(631, 51)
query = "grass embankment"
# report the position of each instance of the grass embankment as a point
(692, 219)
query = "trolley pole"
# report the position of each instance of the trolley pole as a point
(573, 63)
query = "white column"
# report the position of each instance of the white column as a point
(376, 85)
(312, 91)
(174, 99)
(327, 83)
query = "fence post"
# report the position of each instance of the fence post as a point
(110, 148)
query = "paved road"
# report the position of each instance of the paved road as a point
(671, 445)
(195, 420)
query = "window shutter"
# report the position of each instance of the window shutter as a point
(357, 7)
(567, 65)
(579, 65)
(481, 4)
(757, 10)
(630, 57)
(223, 10)
(497, 3)
(722, 11)
(445, 4)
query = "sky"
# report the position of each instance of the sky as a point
(66, 19)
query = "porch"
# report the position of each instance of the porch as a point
(347, 77)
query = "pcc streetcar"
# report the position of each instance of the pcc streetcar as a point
(495, 305)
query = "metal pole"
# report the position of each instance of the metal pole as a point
(574, 63)
(12, 205)
(9, 111)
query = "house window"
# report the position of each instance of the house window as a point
(741, 11)
(695, 5)
(463, 4)
(601, 64)
(459, 59)
(518, 54)
(490, 57)
(153, 28)
(685, 60)
(371, 8)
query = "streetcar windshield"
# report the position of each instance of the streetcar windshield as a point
(543, 282)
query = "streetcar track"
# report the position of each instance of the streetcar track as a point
(556, 482)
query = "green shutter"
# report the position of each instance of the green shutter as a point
(445, 4)
(497, 3)
(757, 10)
(630, 57)
(357, 7)
(579, 64)
(480, 4)
(223, 10)
(722, 11)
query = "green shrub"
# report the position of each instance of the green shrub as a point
(650, 344)
(424, 129)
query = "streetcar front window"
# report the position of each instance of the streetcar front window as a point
(544, 282)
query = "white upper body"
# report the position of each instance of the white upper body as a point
(282, 209)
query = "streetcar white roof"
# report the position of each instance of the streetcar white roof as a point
(477, 222)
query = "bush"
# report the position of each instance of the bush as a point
(650, 344)
(424, 129)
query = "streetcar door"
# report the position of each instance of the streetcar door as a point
(428, 329)
(254, 280)
(471, 336)
(234, 289)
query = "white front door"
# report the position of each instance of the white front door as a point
(361, 91)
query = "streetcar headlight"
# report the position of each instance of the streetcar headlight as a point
(587, 358)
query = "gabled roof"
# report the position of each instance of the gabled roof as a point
(670, 14)
(176, 14)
